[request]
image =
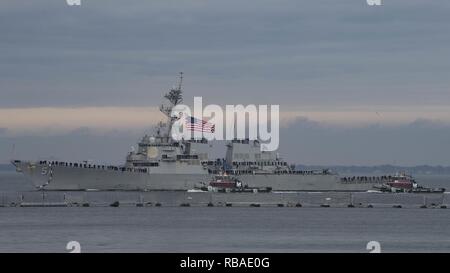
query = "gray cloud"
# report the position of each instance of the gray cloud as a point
(289, 52)
(82, 144)
(419, 142)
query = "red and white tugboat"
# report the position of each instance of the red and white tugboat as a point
(226, 183)
(402, 182)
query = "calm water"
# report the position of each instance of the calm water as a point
(203, 229)
(220, 229)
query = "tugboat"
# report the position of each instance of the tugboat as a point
(226, 183)
(402, 182)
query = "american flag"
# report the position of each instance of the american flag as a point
(195, 124)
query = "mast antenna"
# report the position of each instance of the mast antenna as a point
(181, 81)
(175, 96)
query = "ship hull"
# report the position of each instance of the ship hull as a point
(70, 178)
(79, 179)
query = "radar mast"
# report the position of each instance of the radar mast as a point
(175, 97)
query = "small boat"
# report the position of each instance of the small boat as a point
(227, 183)
(402, 182)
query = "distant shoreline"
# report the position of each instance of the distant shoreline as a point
(380, 169)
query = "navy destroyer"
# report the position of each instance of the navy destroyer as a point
(162, 163)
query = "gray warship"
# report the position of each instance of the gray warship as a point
(161, 163)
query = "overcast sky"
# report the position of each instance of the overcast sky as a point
(356, 84)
